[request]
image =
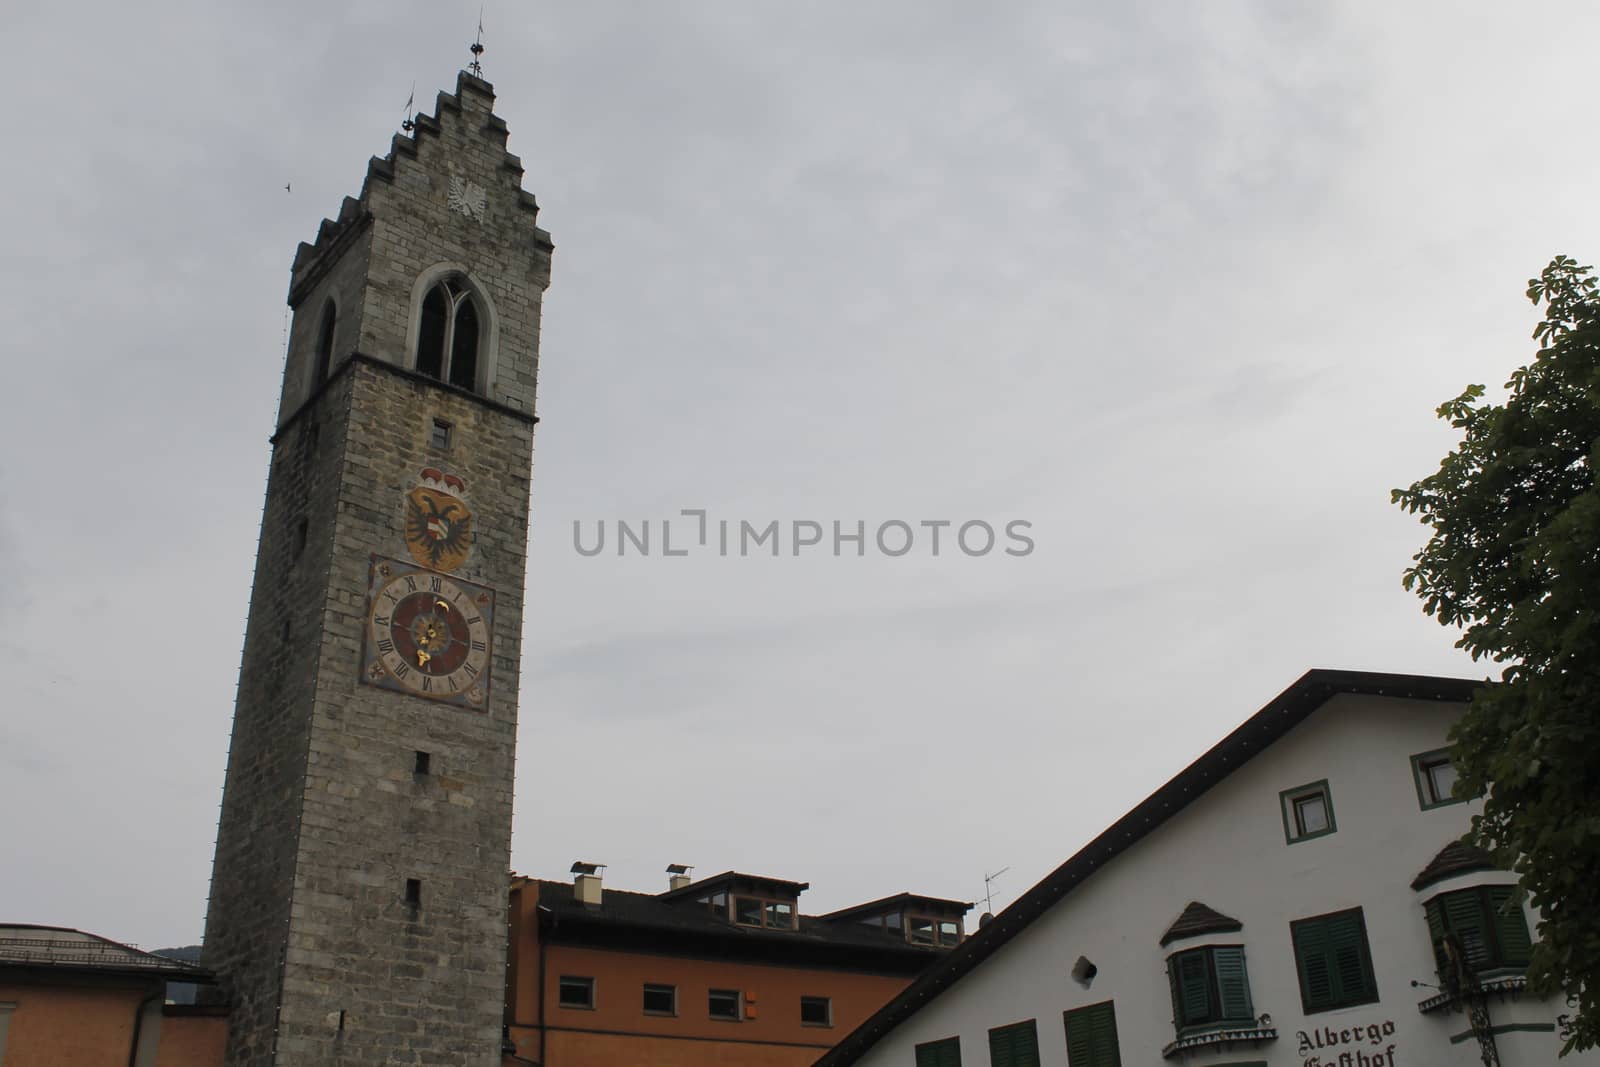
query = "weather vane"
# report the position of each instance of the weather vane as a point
(477, 49)
(408, 123)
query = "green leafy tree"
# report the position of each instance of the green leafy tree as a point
(1514, 562)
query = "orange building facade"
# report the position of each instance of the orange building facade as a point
(724, 972)
(67, 997)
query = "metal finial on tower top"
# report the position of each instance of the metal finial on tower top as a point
(408, 123)
(477, 49)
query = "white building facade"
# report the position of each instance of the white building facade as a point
(1297, 896)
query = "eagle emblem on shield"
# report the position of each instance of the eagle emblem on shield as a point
(438, 523)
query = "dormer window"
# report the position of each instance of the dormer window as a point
(927, 922)
(447, 336)
(771, 914)
(718, 903)
(745, 900)
(928, 930)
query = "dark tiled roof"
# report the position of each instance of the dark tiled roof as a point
(684, 927)
(1283, 713)
(60, 948)
(904, 900)
(758, 882)
(1457, 857)
(1198, 919)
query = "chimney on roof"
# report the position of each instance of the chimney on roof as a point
(678, 875)
(586, 886)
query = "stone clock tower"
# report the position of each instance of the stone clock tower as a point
(359, 893)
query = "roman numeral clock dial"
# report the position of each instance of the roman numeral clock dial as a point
(428, 634)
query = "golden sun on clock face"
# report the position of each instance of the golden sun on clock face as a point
(428, 634)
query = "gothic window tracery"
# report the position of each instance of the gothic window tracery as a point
(447, 336)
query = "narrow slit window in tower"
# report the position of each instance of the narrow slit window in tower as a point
(325, 345)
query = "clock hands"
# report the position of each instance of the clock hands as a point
(432, 632)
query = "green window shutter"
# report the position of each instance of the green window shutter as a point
(1436, 935)
(1103, 1028)
(1080, 1041)
(946, 1053)
(1352, 970)
(1232, 984)
(1464, 917)
(1016, 1045)
(1314, 958)
(1335, 967)
(1194, 987)
(1511, 926)
(1025, 1047)
(999, 1048)
(1092, 1037)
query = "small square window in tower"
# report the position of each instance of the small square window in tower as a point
(439, 436)
(447, 337)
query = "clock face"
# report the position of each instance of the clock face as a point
(428, 634)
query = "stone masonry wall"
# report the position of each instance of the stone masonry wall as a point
(323, 818)
(247, 919)
(416, 985)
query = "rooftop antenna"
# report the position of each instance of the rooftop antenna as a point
(408, 123)
(988, 888)
(477, 49)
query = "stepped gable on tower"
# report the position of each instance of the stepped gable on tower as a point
(446, 196)
(353, 212)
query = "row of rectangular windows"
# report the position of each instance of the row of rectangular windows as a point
(1477, 930)
(1091, 1042)
(1308, 809)
(729, 1005)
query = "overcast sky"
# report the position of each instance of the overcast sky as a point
(1178, 284)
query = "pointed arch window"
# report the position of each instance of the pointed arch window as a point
(325, 344)
(447, 336)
